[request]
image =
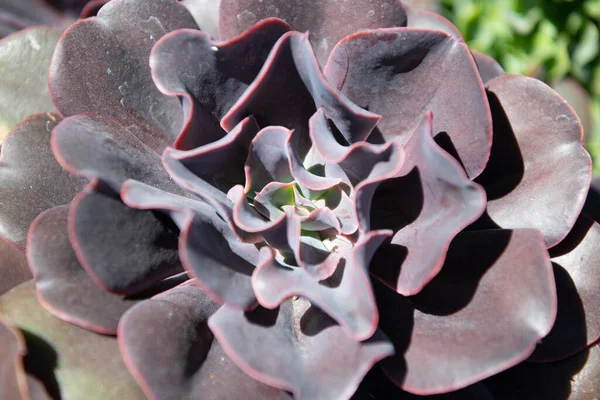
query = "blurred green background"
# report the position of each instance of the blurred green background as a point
(557, 41)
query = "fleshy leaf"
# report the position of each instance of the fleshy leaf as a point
(112, 76)
(346, 296)
(97, 147)
(288, 347)
(64, 287)
(208, 76)
(292, 69)
(491, 279)
(206, 15)
(12, 348)
(537, 158)
(426, 205)
(16, 15)
(171, 330)
(31, 181)
(139, 248)
(377, 386)
(13, 265)
(488, 67)
(328, 22)
(73, 363)
(424, 19)
(576, 262)
(223, 265)
(574, 378)
(140, 196)
(220, 163)
(403, 73)
(24, 62)
(267, 159)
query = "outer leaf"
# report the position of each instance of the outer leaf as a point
(139, 248)
(488, 67)
(491, 279)
(20, 14)
(424, 19)
(74, 363)
(288, 347)
(209, 77)
(576, 261)
(13, 383)
(13, 266)
(31, 181)
(429, 202)
(24, 62)
(537, 158)
(402, 73)
(100, 148)
(63, 286)
(197, 366)
(112, 76)
(377, 386)
(574, 378)
(328, 22)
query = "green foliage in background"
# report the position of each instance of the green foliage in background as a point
(548, 39)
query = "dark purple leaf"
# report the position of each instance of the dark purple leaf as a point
(290, 88)
(377, 386)
(362, 163)
(140, 196)
(538, 159)
(170, 350)
(223, 265)
(100, 148)
(291, 348)
(574, 378)
(112, 76)
(206, 14)
(403, 73)
(428, 202)
(424, 19)
(578, 98)
(488, 67)
(64, 287)
(493, 300)
(328, 22)
(209, 76)
(13, 265)
(91, 8)
(139, 248)
(346, 296)
(268, 159)
(220, 163)
(20, 14)
(576, 261)
(31, 181)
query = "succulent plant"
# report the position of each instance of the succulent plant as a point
(332, 200)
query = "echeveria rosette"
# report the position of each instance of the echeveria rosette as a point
(288, 186)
